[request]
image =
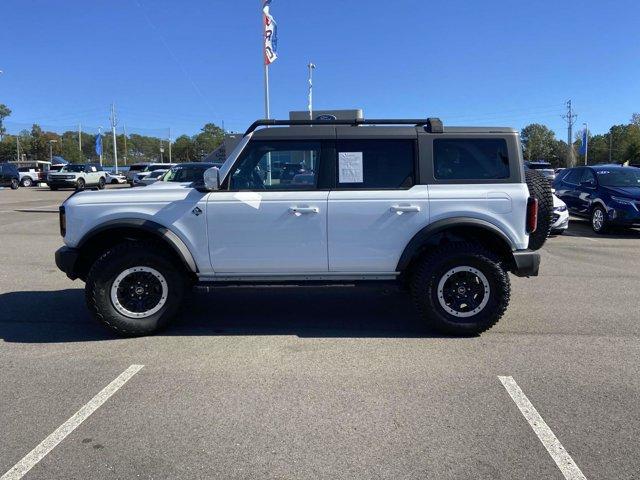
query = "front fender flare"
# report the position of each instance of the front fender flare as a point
(160, 231)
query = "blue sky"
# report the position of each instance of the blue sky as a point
(179, 64)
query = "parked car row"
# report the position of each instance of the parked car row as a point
(608, 195)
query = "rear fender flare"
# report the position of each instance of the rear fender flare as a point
(421, 238)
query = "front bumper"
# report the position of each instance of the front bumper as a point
(526, 263)
(627, 217)
(67, 260)
(61, 183)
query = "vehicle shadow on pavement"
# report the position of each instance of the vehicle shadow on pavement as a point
(579, 227)
(61, 316)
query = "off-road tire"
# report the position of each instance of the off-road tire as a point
(435, 265)
(116, 260)
(101, 183)
(605, 223)
(14, 184)
(26, 182)
(80, 184)
(540, 189)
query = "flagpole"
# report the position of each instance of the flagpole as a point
(267, 112)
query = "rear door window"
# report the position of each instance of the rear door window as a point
(470, 159)
(573, 176)
(376, 164)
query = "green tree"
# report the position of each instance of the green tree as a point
(4, 113)
(184, 149)
(205, 142)
(538, 142)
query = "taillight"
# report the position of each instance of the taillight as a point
(532, 214)
(63, 221)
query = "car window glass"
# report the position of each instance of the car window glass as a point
(588, 177)
(277, 165)
(375, 164)
(470, 159)
(573, 176)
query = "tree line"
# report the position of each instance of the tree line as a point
(621, 144)
(38, 144)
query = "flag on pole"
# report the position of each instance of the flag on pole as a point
(98, 145)
(585, 140)
(270, 34)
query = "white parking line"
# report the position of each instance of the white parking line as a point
(563, 460)
(49, 443)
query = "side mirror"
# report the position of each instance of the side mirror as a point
(212, 179)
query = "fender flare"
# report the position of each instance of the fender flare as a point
(423, 236)
(160, 231)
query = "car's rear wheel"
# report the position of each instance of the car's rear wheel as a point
(460, 289)
(80, 184)
(101, 183)
(26, 182)
(14, 184)
(599, 222)
(135, 288)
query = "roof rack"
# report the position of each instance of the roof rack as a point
(433, 125)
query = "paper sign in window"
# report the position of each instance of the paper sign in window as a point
(350, 167)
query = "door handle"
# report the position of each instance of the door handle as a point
(405, 208)
(300, 210)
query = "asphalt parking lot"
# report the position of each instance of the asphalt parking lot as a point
(320, 382)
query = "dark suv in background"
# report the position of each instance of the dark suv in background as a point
(9, 176)
(608, 195)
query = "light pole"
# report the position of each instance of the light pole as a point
(51, 142)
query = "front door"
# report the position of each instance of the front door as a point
(268, 219)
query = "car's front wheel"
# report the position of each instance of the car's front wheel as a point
(461, 289)
(14, 184)
(80, 184)
(101, 183)
(26, 182)
(599, 220)
(135, 288)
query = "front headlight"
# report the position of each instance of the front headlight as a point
(623, 201)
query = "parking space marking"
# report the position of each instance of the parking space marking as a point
(49, 443)
(563, 460)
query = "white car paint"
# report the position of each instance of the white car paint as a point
(560, 209)
(368, 229)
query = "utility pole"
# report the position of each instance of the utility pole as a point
(169, 144)
(17, 148)
(570, 118)
(114, 122)
(586, 142)
(161, 152)
(80, 139)
(124, 129)
(311, 67)
(100, 135)
(610, 143)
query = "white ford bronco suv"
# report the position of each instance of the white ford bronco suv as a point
(446, 212)
(78, 176)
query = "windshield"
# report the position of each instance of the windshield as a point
(137, 168)
(191, 173)
(72, 168)
(619, 177)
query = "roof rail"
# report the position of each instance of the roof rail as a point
(433, 125)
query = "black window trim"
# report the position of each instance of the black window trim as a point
(416, 165)
(325, 148)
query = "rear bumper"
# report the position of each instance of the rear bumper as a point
(526, 263)
(66, 260)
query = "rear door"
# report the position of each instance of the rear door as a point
(376, 207)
